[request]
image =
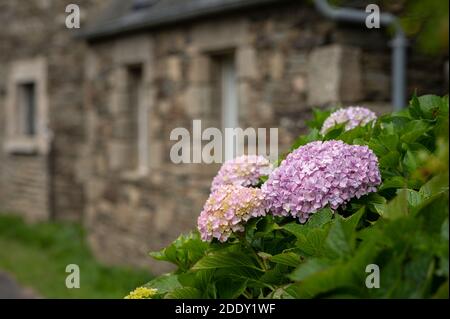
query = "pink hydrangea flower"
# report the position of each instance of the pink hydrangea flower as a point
(227, 210)
(244, 171)
(320, 174)
(353, 116)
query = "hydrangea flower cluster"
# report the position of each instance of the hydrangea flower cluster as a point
(353, 116)
(227, 209)
(244, 171)
(320, 174)
(142, 293)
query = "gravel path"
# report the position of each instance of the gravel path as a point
(10, 289)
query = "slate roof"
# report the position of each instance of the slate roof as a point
(132, 15)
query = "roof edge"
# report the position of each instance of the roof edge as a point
(145, 21)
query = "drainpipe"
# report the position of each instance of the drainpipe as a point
(398, 44)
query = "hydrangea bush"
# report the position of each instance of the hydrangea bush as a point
(356, 195)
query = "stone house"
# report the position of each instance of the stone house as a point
(95, 146)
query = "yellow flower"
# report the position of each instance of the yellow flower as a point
(142, 293)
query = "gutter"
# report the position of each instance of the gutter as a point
(398, 44)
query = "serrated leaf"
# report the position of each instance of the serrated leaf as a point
(320, 218)
(164, 283)
(334, 132)
(230, 288)
(313, 241)
(184, 293)
(295, 229)
(376, 202)
(184, 251)
(397, 207)
(414, 198)
(435, 185)
(390, 159)
(413, 130)
(394, 182)
(226, 259)
(390, 141)
(310, 267)
(289, 259)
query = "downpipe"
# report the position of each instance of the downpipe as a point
(398, 44)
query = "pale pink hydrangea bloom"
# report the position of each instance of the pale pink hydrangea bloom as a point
(227, 210)
(353, 116)
(244, 171)
(320, 174)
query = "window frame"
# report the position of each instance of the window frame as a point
(132, 52)
(16, 141)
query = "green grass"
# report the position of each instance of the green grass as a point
(37, 256)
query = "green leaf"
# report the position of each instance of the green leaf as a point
(390, 159)
(390, 141)
(341, 238)
(317, 277)
(274, 276)
(377, 147)
(435, 185)
(184, 293)
(430, 106)
(312, 241)
(230, 288)
(354, 134)
(320, 218)
(199, 279)
(295, 229)
(334, 132)
(314, 135)
(413, 130)
(410, 161)
(394, 182)
(398, 207)
(376, 202)
(310, 267)
(339, 241)
(229, 258)
(184, 251)
(414, 108)
(289, 259)
(351, 223)
(164, 283)
(442, 292)
(414, 198)
(319, 117)
(445, 230)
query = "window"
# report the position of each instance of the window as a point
(27, 109)
(225, 94)
(138, 114)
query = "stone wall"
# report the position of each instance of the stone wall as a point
(45, 184)
(289, 59)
